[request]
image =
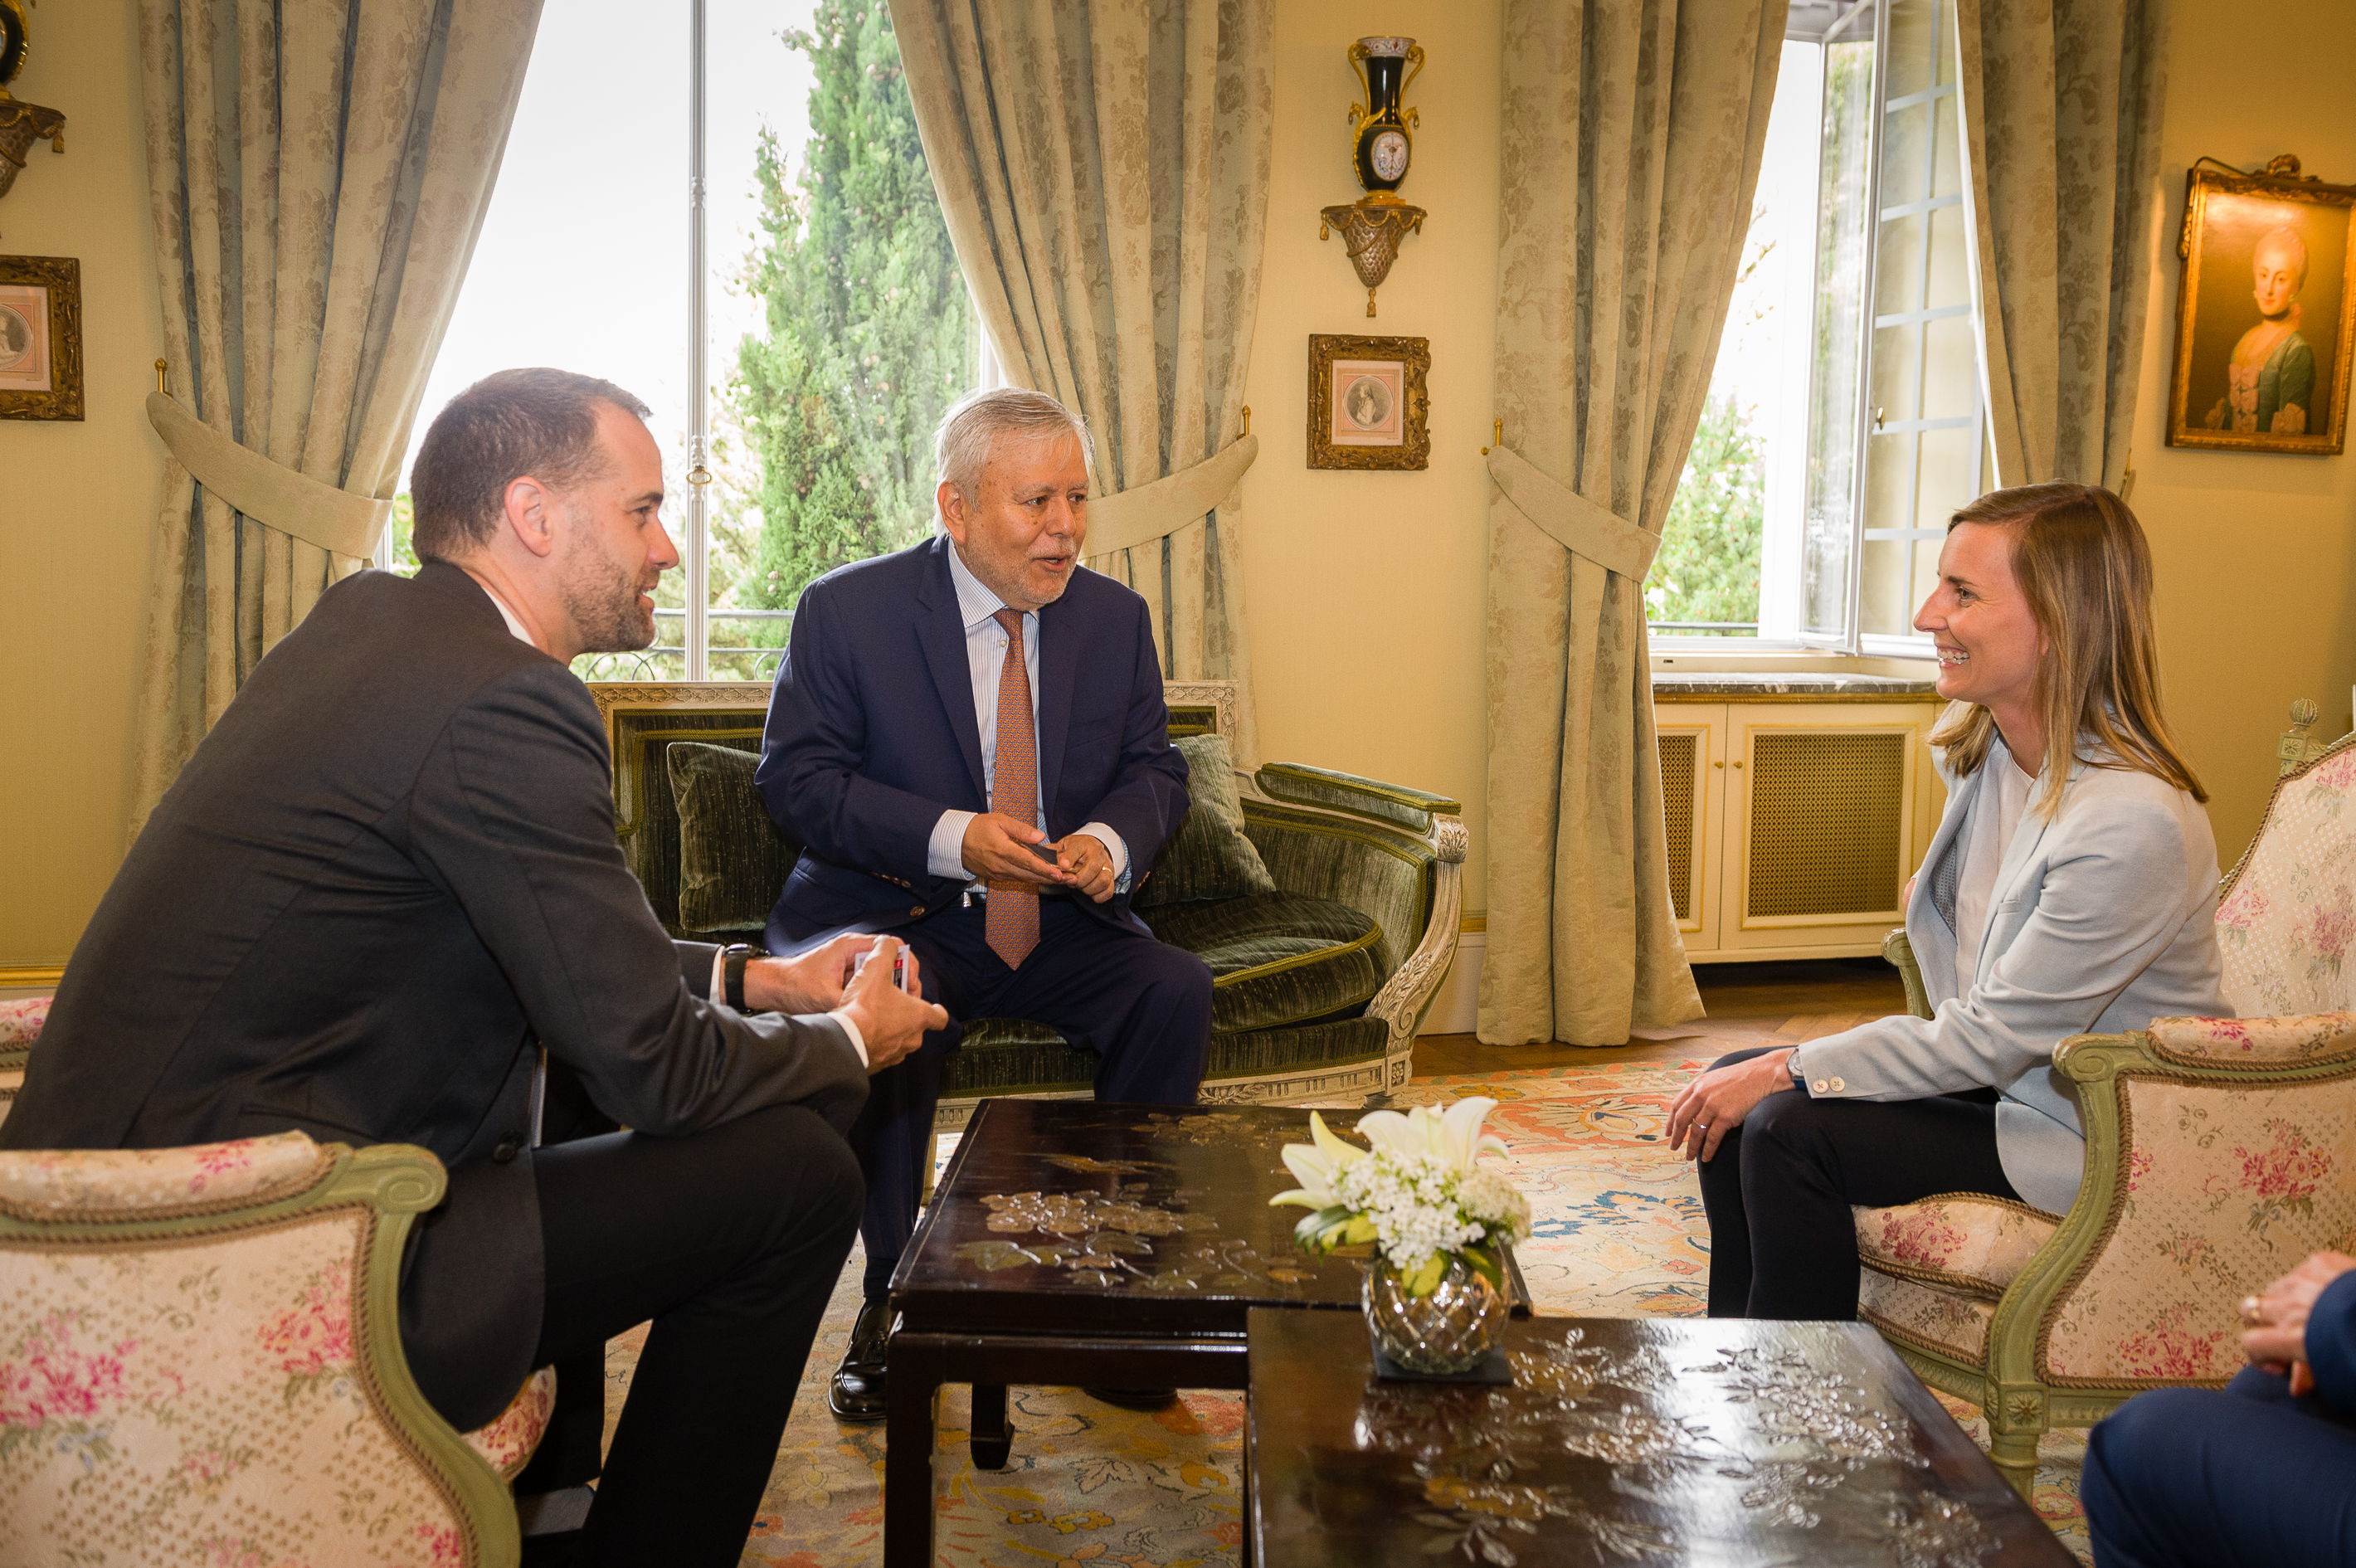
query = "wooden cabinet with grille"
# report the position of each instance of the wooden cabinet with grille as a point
(1793, 824)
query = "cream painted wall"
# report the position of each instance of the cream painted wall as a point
(1363, 590)
(2256, 556)
(78, 501)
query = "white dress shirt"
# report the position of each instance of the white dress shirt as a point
(985, 658)
(718, 989)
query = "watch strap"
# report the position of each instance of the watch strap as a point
(733, 959)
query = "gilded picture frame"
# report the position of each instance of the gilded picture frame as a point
(40, 338)
(1368, 406)
(2266, 313)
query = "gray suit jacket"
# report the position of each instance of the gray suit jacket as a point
(389, 871)
(2099, 922)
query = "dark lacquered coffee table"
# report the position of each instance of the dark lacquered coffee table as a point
(1621, 1441)
(1072, 1242)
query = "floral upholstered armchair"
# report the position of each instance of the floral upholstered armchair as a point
(199, 1361)
(2220, 1152)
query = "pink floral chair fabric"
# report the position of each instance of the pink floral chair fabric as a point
(20, 1023)
(199, 1361)
(2219, 1151)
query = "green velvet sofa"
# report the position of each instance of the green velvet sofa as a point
(1319, 986)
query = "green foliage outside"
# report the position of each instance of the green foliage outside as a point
(398, 555)
(1708, 568)
(868, 340)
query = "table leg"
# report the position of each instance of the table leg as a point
(913, 1387)
(993, 1436)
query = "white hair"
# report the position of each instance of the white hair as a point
(970, 429)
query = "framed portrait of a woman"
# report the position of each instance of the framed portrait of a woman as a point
(2265, 318)
(1367, 404)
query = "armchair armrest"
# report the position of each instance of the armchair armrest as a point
(1900, 951)
(1395, 805)
(2310, 1039)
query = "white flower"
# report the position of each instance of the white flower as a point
(1421, 1192)
(1314, 1166)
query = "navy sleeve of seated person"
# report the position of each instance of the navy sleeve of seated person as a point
(2331, 1344)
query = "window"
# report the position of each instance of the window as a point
(1844, 420)
(758, 234)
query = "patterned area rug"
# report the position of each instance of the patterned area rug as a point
(1619, 1233)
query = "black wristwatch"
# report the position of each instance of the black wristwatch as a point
(733, 959)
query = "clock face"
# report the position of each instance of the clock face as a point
(1388, 154)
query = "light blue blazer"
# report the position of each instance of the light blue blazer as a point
(2099, 922)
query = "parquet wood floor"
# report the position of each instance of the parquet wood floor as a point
(1748, 1005)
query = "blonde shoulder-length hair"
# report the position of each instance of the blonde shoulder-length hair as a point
(2083, 562)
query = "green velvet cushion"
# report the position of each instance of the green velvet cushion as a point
(1278, 958)
(732, 860)
(1210, 858)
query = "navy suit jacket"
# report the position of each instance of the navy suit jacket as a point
(872, 735)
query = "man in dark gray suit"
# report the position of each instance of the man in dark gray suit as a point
(384, 899)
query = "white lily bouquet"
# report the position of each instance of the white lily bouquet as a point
(1420, 1193)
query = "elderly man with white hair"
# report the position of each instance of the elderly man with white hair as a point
(968, 739)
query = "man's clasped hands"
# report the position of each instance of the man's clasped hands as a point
(891, 1021)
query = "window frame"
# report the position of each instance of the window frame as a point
(1850, 639)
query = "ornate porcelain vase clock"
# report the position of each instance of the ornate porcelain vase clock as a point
(21, 123)
(1380, 150)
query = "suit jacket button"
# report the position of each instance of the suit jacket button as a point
(916, 911)
(1838, 1086)
(509, 1148)
(1818, 1087)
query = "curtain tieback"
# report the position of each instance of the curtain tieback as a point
(269, 493)
(1579, 525)
(1144, 513)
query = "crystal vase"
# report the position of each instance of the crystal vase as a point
(1448, 1328)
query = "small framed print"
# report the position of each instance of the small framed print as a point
(2266, 315)
(40, 338)
(1367, 404)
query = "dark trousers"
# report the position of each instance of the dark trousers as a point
(2232, 1478)
(1782, 1242)
(1142, 1006)
(729, 1241)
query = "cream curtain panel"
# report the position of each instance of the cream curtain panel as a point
(1104, 168)
(1632, 136)
(2061, 108)
(318, 172)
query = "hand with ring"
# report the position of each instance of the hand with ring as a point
(2274, 1320)
(1714, 1104)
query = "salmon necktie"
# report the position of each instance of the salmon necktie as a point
(1010, 917)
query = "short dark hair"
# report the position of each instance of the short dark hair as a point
(536, 421)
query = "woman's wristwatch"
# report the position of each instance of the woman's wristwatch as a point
(733, 959)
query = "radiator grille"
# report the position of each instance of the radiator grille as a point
(1825, 812)
(1678, 752)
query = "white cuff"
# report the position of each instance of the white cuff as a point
(858, 1040)
(944, 852)
(1113, 846)
(717, 990)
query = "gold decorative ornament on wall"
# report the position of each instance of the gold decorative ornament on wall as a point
(21, 123)
(1381, 147)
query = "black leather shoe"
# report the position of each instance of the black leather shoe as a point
(857, 1392)
(1135, 1399)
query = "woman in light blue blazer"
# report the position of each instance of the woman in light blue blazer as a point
(2070, 889)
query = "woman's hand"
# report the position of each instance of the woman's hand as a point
(2274, 1320)
(1718, 1100)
